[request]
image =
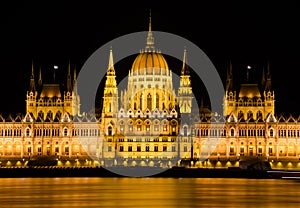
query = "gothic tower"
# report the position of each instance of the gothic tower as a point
(110, 96)
(249, 103)
(31, 94)
(185, 89)
(269, 96)
(48, 102)
(230, 94)
(75, 96)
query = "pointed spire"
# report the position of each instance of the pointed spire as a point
(111, 68)
(268, 82)
(185, 68)
(150, 39)
(40, 82)
(32, 83)
(263, 80)
(229, 83)
(69, 84)
(75, 91)
(75, 78)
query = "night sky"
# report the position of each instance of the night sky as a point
(54, 32)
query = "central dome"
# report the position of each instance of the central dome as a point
(149, 63)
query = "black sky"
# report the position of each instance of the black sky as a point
(247, 33)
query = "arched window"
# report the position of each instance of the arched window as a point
(27, 133)
(157, 101)
(249, 114)
(259, 114)
(271, 133)
(41, 114)
(50, 114)
(240, 115)
(141, 101)
(109, 131)
(149, 101)
(65, 132)
(185, 131)
(58, 114)
(232, 132)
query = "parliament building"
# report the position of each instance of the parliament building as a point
(149, 123)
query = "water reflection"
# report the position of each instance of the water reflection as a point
(148, 192)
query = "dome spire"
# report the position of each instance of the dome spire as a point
(150, 39)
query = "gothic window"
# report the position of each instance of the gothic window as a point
(185, 148)
(271, 133)
(249, 114)
(141, 101)
(148, 126)
(129, 148)
(185, 131)
(157, 101)
(50, 114)
(29, 149)
(155, 148)
(121, 148)
(164, 148)
(259, 114)
(58, 114)
(147, 148)
(41, 114)
(232, 132)
(39, 149)
(65, 132)
(240, 115)
(27, 132)
(138, 148)
(173, 148)
(66, 150)
(149, 101)
(109, 131)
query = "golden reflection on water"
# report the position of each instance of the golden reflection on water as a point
(148, 192)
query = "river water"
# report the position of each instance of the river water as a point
(148, 192)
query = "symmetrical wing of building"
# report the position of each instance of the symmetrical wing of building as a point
(149, 122)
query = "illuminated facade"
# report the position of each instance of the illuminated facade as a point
(47, 102)
(148, 122)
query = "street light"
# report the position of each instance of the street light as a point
(218, 156)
